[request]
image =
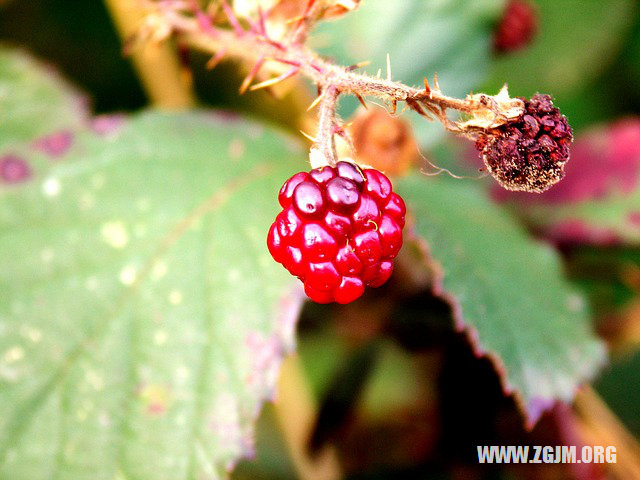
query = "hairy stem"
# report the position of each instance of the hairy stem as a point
(281, 59)
(324, 148)
(249, 47)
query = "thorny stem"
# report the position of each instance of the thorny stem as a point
(284, 59)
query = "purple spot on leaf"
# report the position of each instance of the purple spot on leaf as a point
(56, 144)
(14, 169)
(226, 116)
(634, 219)
(107, 124)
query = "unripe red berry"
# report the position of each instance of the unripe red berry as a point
(528, 153)
(517, 27)
(339, 230)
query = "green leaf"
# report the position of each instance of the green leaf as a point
(576, 41)
(142, 319)
(422, 38)
(507, 292)
(34, 100)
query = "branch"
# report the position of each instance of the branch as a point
(282, 59)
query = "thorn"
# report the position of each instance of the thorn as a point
(379, 73)
(233, 20)
(436, 85)
(315, 102)
(388, 67)
(216, 59)
(288, 62)
(273, 81)
(416, 106)
(427, 88)
(252, 74)
(307, 136)
(262, 24)
(304, 16)
(361, 100)
(394, 106)
(358, 65)
(204, 21)
(295, 19)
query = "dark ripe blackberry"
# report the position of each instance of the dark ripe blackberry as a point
(529, 153)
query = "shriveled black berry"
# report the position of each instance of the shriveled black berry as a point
(529, 153)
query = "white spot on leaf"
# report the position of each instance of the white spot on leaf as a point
(46, 255)
(97, 181)
(160, 337)
(175, 297)
(159, 270)
(236, 149)
(31, 333)
(14, 354)
(575, 303)
(128, 275)
(115, 234)
(51, 187)
(95, 380)
(91, 284)
(87, 201)
(143, 204)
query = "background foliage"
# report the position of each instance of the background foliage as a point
(142, 321)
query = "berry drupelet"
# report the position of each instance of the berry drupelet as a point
(528, 153)
(339, 230)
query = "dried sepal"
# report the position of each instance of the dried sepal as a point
(491, 111)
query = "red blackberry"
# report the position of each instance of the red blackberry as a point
(528, 153)
(339, 230)
(517, 27)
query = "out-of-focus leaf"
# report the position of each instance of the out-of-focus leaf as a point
(34, 100)
(507, 291)
(598, 202)
(576, 41)
(142, 320)
(619, 388)
(422, 37)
